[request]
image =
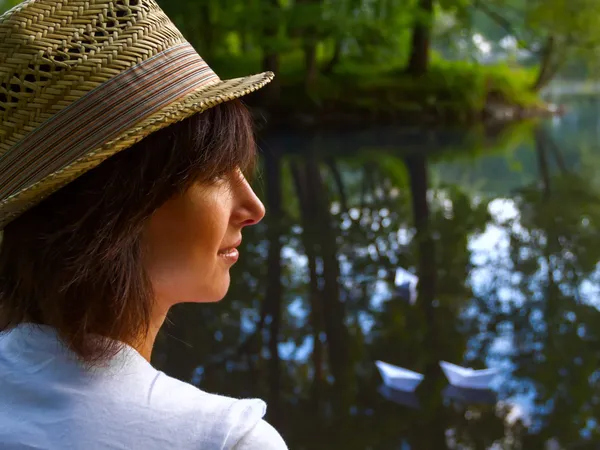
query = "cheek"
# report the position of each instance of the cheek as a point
(183, 240)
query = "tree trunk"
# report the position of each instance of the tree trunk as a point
(417, 170)
(547, 71)
(558, 157)
(273, 295)
(335, 59)
(309, 38)
(418, 62)
(319, 241)
(540, 150)
(310, 61)
(339, 183)
(310, 232)
(416, 164)
(271, 62)
(207, 30)
(271, 93)
(316, 321)
(334, 311)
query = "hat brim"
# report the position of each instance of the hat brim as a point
(193, 103)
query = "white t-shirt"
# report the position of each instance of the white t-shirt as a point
(49, 401)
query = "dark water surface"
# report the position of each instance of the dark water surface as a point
(502, 230)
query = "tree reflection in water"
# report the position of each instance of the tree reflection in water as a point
(507, 277)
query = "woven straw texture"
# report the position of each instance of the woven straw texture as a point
(55, 55)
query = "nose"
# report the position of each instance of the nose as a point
(250, 209)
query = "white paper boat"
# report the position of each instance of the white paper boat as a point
(399, 378)
(468, 378)
(406, 284)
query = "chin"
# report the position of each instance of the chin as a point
(216, 293)
(212, 297)
(197, 293)
(215, 298)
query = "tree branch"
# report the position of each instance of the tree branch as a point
(501, 21)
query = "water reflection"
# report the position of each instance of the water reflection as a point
(468, 396)
(404, 398)
(501, 230)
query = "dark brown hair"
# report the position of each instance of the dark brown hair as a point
(74, 261)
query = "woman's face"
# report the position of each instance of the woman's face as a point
(190, 242)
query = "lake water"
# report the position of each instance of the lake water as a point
(502, 230)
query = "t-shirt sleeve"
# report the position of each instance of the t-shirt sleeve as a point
(262, 437)
(245, 428)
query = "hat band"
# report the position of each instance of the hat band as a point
(103, 114)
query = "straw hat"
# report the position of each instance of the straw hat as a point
(81, 80)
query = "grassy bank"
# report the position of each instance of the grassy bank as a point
(451, 93)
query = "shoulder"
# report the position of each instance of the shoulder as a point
(214, 420)
(262, 437)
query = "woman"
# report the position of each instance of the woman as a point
(121, 195)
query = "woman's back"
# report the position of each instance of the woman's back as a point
(50, 401)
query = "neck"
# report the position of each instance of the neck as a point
(146, 343)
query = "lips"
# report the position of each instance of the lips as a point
(230, 249)
(230, 253)
(230, 256)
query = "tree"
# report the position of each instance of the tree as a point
(555, 31)
(551, 320)
(421, 38)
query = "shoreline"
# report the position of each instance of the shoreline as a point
(492, 115)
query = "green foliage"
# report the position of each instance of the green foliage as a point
(558, 32)
(364, 47)
(451, 91)
(359, 49)
(7, 4)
